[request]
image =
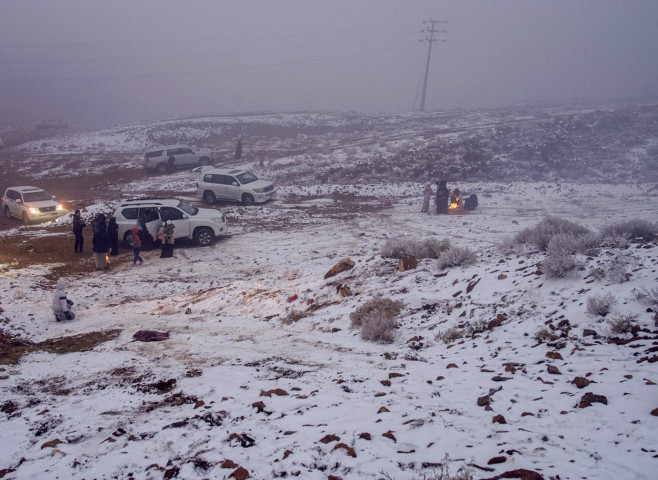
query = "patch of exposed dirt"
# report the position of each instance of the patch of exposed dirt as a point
(14, 347)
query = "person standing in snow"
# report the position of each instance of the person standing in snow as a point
(442, 196)
(136, 243)
(113, 235)
(168, 240)
(78, 225)
(427, 196)
(238, 150)
(100, 242)
(61, 304)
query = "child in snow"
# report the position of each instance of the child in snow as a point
(136, 243)
(61, 304)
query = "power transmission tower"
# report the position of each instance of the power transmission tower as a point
(430, 40)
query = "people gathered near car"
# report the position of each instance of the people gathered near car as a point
(113, 235)
(78, 225)
(100, 242)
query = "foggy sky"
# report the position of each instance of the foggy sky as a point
(95, 63)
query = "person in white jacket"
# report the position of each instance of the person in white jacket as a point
(61, 304)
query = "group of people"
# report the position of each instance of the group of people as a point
(444, 198)
(105, 241)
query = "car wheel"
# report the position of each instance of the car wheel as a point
(170, 164)
(26, 219)
(204, 236)
(248, 200)
(162, 168)
(7, 212)
(205, 161)
(126, 243)
(209, 197)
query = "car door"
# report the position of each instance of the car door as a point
(185, 156)
(180, 220)
(151, 219)
(232, 188)
(17, 203)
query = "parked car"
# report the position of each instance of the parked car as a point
(234, 185)
(202, 225)
(31, 204)
(165, 159)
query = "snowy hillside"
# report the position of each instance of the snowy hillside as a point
(495, 366)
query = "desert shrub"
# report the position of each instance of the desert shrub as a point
(541, 234)
(648, 296)
(293, 316)
(618, 269)
(622, 323)
(545, 335)
(559, 266)
(450, 335)
(600, 304)
(382, 306)
(631, 229)
(376, 326)
(464, 472)
(410, 247)
(456, 256)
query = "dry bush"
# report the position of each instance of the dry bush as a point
(648, 296)
(450, 335)
(622, 324)
(384, 307)
(600, 304)
(618, 269)
(378, 327)
(631, 229)
(293, 316)
(456, 256)
(559, 266)
(541, 234)
(545, 335)
(410, 247)
(464, 472)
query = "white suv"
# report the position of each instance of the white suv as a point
(31, 204)
(202, 225)
(165, 159)
(233, 184)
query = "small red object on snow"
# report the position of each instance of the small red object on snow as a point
(292, 299)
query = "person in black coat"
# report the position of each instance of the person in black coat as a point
(113, 235)
(442, 196)
(78, 225)
(100, 242)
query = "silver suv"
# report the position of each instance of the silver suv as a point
(31, 204)
(233, 184)
(165, 159)
(202, 225)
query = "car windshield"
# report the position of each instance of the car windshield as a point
(247, 177)
(187, 208)
(36, 196)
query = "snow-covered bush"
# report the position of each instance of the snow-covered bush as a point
(378, 327)
(618, 269)
(600, 304)
(648, 296)
(410, 247)
(541, 234)
(377, 319)
(631, 229)
(545, 335)
(559, 266)
(456, 256)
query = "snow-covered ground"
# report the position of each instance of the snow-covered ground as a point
(239, 387)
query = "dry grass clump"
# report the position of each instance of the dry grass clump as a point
(600, 304)
(455, 333)
(377, 319)
(559, 266)
(541, 234)
(631, 229)
(410, 247)
(293, 316)
(622, 324)
(456, 256)
(464, 472)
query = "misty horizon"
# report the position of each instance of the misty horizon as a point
(94, 64)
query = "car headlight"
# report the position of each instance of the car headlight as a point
(34, 210)
(219, 220)
(60, 207)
